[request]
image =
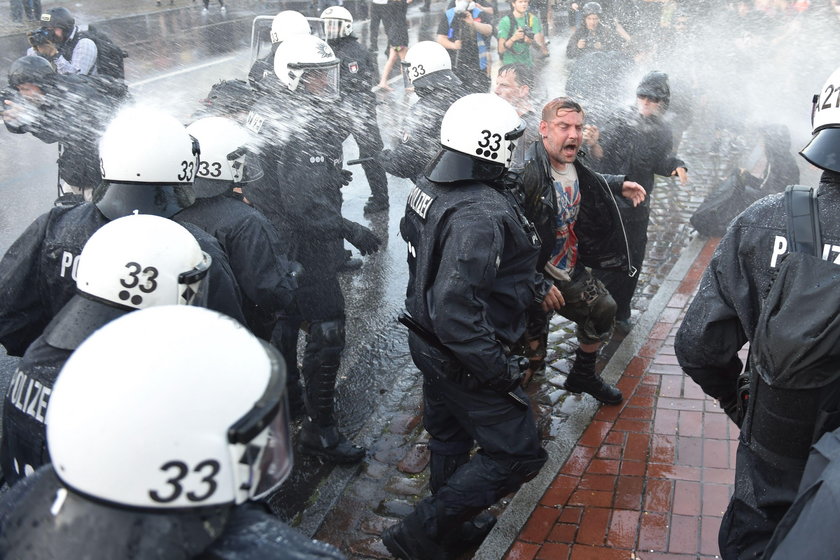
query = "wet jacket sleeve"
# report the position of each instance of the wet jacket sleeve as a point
(22, 313)
(470, 245)
(420, 140)
(615, 182)
(711, 333)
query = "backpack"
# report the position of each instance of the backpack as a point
(722, 205)
(109, 57)
(795, 350)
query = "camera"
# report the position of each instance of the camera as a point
(39, 37)
(6, 95)
(528, 31)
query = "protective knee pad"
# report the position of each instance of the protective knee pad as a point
(446, 458)
(326, 341)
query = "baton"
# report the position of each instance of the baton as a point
(360, 160)
(432, 340)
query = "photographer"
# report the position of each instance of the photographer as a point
(517, 32)
(58, 40)
(62, 109)
(465, 30)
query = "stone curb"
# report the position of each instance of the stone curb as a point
(517, 513)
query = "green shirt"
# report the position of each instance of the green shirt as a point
(519, 52)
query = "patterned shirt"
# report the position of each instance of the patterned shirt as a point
(564, 256)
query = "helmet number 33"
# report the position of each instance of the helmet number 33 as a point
(204, 480)
(133, 280)
(187, 168)
(489, 145)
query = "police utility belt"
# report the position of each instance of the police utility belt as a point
(456, 373)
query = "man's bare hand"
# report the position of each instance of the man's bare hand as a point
(591, 134)
(682, 173)
(553, 300)
(634, 192)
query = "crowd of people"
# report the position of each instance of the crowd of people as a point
(528, 200)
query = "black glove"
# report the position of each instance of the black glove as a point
(346, 177)
(361, 237)
(729, 404)
(512, 378)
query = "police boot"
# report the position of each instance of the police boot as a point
(285, 338)
(319, 434)
(471, 533)
(583, 379)
(414, 537)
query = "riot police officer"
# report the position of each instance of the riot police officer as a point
(356, 76)
(471, 258)
(256, 253)
(284, 25)
(177, 481)
(778, 425)
(130, 263)
(428, 68)
(300, 193)
(148, 164)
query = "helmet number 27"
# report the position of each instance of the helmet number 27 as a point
(207, 470)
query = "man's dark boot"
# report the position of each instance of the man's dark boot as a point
(583, 379)
(471, 534)
(319, 434)
(327, 442)
(408, 540)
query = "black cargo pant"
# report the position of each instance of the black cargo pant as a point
(456, 418)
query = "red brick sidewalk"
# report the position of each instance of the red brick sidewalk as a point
(647, 480)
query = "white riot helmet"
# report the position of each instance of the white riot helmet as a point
(425, 61)
(148, 163)
(171, 407)
(288, 23)
(226, 158)
(130, 263)
(338, 22)
(823, 150)
(307, 64)
(477, 135)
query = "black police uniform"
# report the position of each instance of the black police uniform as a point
(421, 133)
(300, 193)
(471, 259)
(24, 445)
(358, 107)
(268, 279)
(720, 320)
(36, 274)
(31, 527)
(637, 147)
(73, 115)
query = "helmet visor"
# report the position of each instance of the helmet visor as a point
(264, 430)
(332, 28)
(405, 67)
(245, 166)
(192, 284)
(320, 81)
